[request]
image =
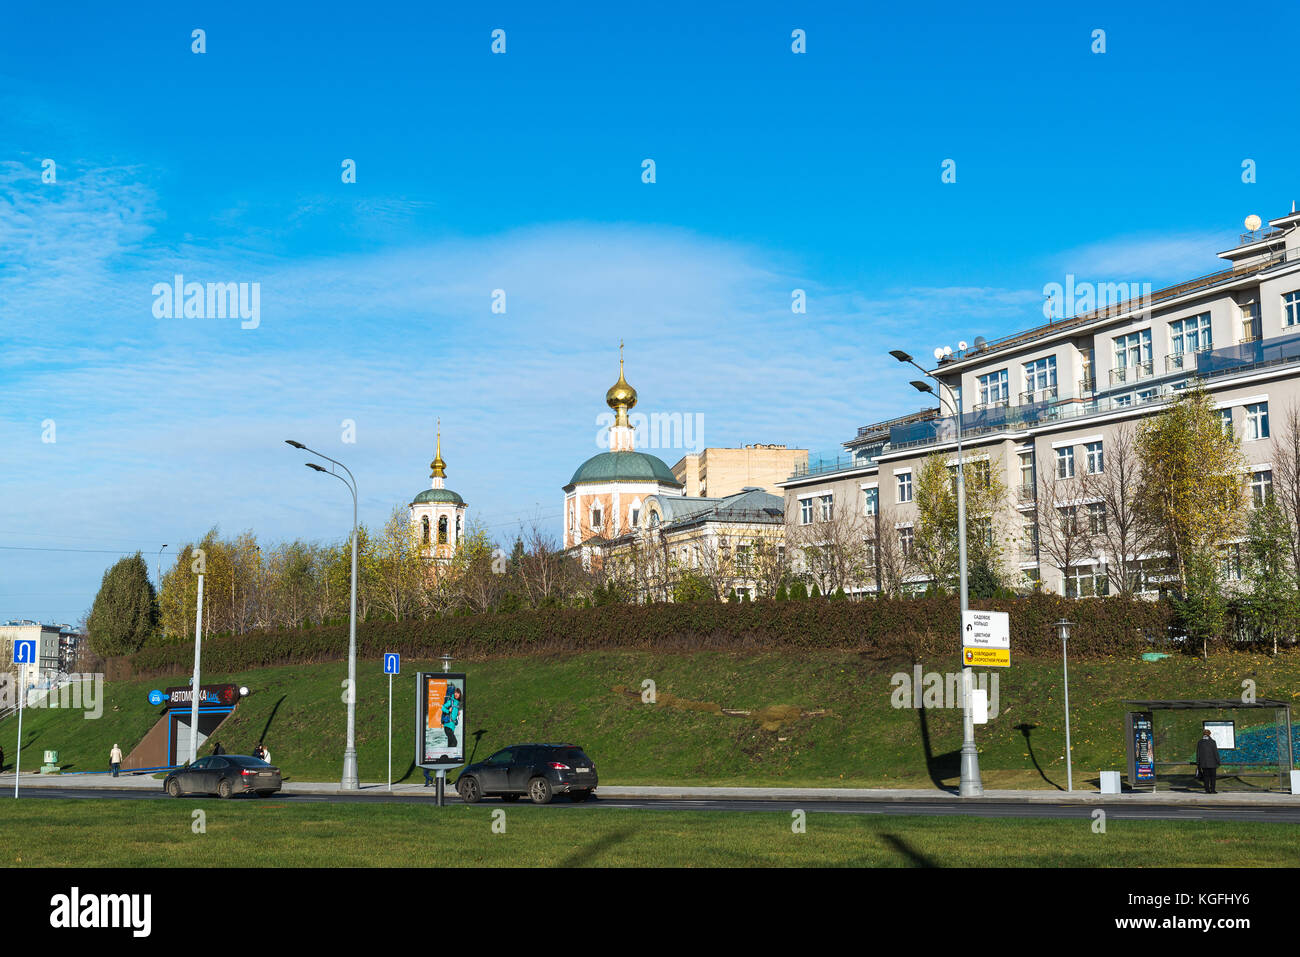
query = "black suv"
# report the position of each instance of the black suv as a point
(539, 770)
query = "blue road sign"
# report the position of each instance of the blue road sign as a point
(156, 697)
(392, 663)
(25, 651)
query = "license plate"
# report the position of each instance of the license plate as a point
(582, 770)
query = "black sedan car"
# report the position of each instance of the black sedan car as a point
(539, 770)
(224, 775)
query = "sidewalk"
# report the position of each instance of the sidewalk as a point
(679, 793)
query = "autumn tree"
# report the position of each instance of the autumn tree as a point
(936, 533)
(1125, 535)
(1192, 488)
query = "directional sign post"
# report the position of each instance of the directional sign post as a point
(986, 639)
(392, 666)
(24, 654)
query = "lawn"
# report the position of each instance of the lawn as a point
(247, 833)
(815, 718)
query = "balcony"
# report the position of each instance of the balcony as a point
(1027, 493)
(1038, 395)
(1212, 365)
(1142, 370)
(1029, 551)
(1088, 386)
(1182, 361)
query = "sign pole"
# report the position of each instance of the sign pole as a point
(18, 751)
(194, 693)
(390, 731)
(442, 779)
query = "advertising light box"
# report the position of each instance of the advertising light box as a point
(440, 720)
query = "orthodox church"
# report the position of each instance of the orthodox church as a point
(606, 496)
(438, 512)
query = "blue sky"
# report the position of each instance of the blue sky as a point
(522, 172)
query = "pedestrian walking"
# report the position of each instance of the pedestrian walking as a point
(1207, 762)
(428, 778)
(266, 754)
(115, 759)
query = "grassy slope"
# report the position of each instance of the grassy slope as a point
(861, 741)
(160, 834)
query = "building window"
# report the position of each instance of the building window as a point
(805, 511)
(1146, 395)
(1069, 519)
(828, 502)
(636, 517)
(442, 530)
(1040, 374)
(1257, 421)
(870, 501)
(1027, 479)
(1133, 349)
(994, 387)
(1250, 321)
(596, 517)
(424, 530)
(1230, 563)
(1096, 463)
(1097, 518)
(1190, 335)
(1291, 308)
(1261, 487)
(906, 539)
(1082, 581)
(905, 487)
(1029, 538)
(1065, 462)
(1225, 416)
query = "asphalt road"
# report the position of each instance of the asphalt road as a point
(937, 808)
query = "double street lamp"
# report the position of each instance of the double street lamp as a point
(350, 780)
(971, 785)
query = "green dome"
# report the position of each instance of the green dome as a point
(624, 467)
(431, 495)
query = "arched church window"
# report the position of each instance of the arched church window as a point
(442, 530)
(424, 525)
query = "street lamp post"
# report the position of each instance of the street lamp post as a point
(350, 780)
(159, 568)
(971, 785)
(1063, 628)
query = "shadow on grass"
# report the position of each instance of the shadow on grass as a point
(271, 717)
(584, 856)
(1025, 729)
(901, 847)
(938, 766)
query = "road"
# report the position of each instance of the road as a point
(926, 808)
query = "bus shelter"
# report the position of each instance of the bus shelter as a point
(1254, 739)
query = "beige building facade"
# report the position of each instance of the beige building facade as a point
(1046, 405)
(717, 472)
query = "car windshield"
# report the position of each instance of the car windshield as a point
(247, 761)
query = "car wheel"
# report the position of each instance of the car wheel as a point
(469, 790)
(510, 797)
(580, 796)
(539, 790)
(224, 789)
(174, 788)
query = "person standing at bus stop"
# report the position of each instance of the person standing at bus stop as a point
(1207, 762)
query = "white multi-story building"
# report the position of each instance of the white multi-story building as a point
(1051, 398)
(47, 664)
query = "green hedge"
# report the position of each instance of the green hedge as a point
(912, 627)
